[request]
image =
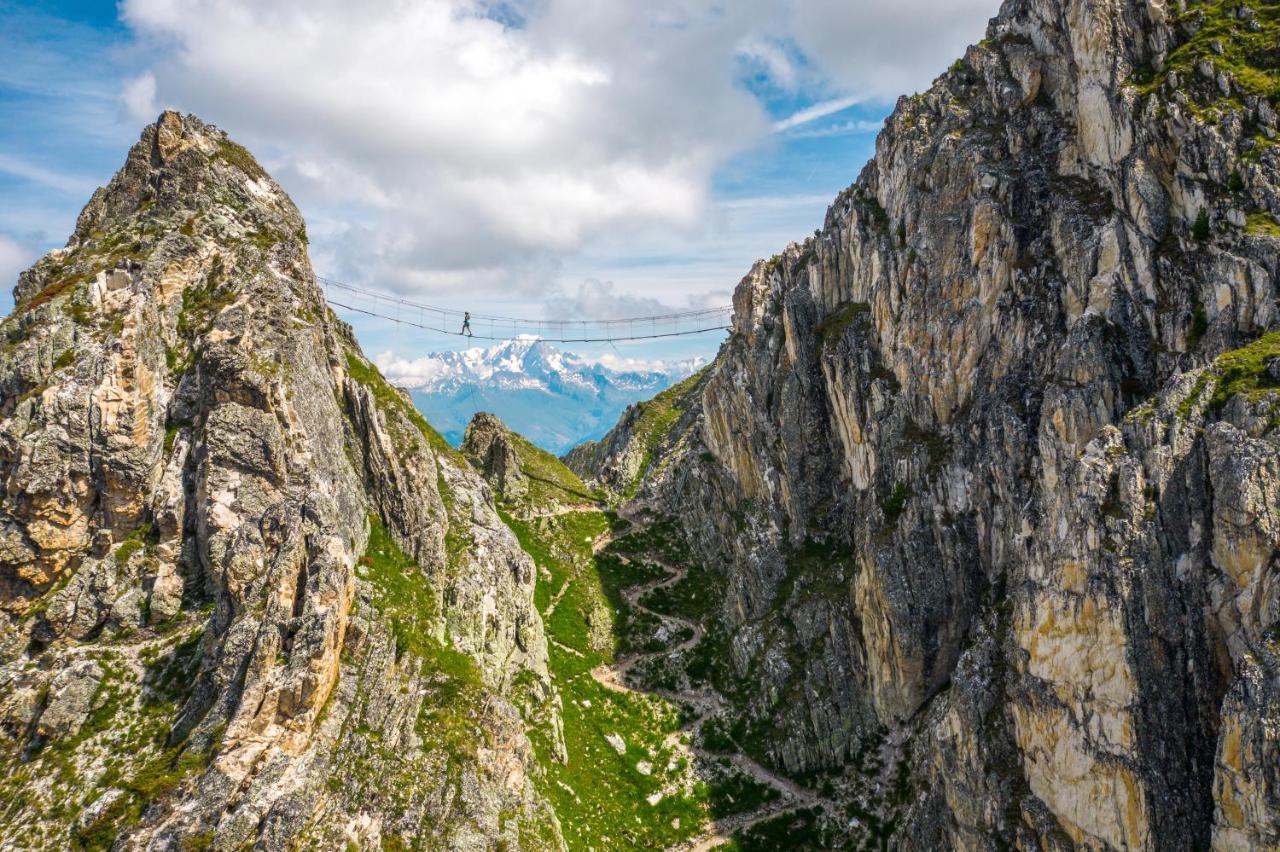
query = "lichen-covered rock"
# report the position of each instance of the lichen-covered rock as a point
(197, 458)
(70, 699)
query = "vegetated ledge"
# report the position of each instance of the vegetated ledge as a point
(1240, 38)
(1252, 371)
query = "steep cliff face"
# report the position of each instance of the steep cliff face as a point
(246, 593)
(971, 488)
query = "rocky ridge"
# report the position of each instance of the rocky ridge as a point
(984, 467)
(247, 595)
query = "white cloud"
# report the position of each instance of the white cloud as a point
(813, 113)
(621, 364)
(780, 66)
(880, 49)
(139, 97)
(843, 128)
(601, 300)
(466, 143)
(440, 144)
(14, 258)
(413, 373)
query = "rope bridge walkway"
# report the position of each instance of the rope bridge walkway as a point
(486, 327)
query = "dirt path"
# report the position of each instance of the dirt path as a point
(707, 702)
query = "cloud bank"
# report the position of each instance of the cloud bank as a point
(444, 144)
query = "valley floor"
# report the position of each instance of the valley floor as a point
(645, 755)
(780, 795)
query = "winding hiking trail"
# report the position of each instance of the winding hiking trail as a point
(706, 701)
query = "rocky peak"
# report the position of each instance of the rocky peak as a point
(216, 495)
(488, 444)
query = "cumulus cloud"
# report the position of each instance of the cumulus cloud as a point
(602, 300)
(413, 373)
(467, 142)
(880, 49)
(441, 144)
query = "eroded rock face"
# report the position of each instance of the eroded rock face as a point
(194, 453)
(1044, 562)
(488, 444)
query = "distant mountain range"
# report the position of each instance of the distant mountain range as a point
(554, 398)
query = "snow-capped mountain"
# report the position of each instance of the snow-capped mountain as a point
(556, 399)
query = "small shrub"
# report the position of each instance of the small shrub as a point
(1199, 324)
(1200, 230)
(895, 503)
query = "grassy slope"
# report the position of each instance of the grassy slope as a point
(600, 796)
(655, 421)
(549, 480)
(1247, 51)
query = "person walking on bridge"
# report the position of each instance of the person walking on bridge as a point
(466, 324)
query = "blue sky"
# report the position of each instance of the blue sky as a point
(543, 158)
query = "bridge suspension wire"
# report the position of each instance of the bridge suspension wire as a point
(488, 327)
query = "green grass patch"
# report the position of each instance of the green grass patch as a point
(663, 539)
(832, 327)
(602, 797)
(408, 602)
(695, 596)
(716, 736)
(548, 478)
(239, 156)
(1249, 52)
(1240, 372)
(739, 794)
(655, 421)
(710, 662)
(143, 536)
(1260, 224)
(561, 546)
(1243, 372)
(1193, 398)
(800, 829)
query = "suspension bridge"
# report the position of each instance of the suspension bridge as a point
(485, 327)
